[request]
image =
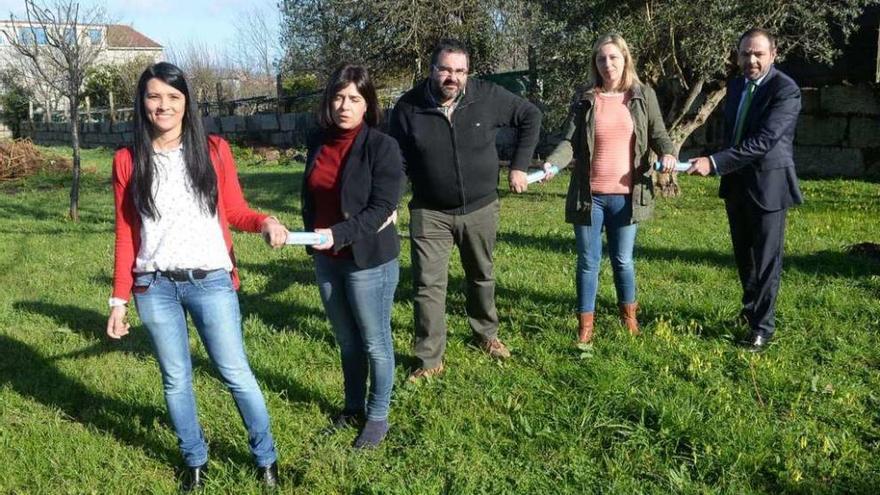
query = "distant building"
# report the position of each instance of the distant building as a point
(120, 43)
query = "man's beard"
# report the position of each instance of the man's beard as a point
(448, 92)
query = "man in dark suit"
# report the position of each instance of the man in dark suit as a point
(758, 181)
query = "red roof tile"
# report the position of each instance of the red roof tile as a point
(122, 36)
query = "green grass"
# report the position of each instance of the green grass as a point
(679, 410)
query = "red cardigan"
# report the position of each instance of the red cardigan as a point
(231, 209)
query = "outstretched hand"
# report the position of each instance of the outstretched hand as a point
(700, 166)
(274, 232)
(548, 172)
(324, 245)
(518, 181)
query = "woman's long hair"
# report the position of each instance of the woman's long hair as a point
(344, 75)
(195, 146)
(629, 77)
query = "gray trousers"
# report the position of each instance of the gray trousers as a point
(432, 235)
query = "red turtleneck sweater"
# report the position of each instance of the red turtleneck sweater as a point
(326, 178)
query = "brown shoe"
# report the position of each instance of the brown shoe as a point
(420, 373)
(585, 327)
(495, 348)
(628, 317)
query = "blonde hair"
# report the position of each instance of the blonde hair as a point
(629, 77)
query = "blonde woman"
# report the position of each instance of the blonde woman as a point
(614, 121)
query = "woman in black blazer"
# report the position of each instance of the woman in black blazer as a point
(351, 188)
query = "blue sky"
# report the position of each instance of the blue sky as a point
(172, 23)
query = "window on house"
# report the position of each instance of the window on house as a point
(31, 34)
(95, 36)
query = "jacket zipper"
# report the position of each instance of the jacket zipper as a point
(458, 171)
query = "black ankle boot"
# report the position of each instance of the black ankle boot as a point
(194, 478)
(268, 475)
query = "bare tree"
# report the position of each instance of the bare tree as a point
(257, 45)
(55, 42)
(202, 65)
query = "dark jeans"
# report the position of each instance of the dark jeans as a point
(358, 304)
(433, 234)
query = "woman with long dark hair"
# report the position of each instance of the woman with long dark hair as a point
(614, 122)
(177, 193)
(351, 188)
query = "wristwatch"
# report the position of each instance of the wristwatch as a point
(115, 301)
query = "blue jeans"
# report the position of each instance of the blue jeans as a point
(358, 304)
(614, 213)
(162, 305)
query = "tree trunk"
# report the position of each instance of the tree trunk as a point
(112, 108)
(417, 70)
(533, 90)
(74, 142)
(681, 129)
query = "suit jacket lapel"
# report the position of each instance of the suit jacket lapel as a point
(758, 101)
(734, 95)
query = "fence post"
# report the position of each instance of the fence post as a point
(112, 107)
(877, 64)
(88, 119)
(47, 115)
(30, 110)
(279, 91)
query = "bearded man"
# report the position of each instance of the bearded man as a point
(446, 126)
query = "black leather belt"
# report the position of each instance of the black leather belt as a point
(183, 275)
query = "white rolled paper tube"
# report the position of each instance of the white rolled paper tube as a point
(679, 167)
(540, 174)
(305, 238)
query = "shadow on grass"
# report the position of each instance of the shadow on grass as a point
(92, 325)
(824, 263)
(33, 375)
(89, 324)
(49, 218)
(282, 274)
(278, 191)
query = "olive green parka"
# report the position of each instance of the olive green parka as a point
(578, 140)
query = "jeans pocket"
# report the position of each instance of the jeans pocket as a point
(143, 283)
(219, 280)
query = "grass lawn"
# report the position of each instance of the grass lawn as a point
(681, 409)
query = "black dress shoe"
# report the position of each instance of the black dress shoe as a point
(759, 342)
(194, 478)
(268, 475)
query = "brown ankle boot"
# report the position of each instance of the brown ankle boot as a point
(585, 327)
(628, 317)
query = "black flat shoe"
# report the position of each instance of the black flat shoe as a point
(194, 478)
(268, 475)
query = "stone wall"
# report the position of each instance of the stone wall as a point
(283, 131)
(838, 132)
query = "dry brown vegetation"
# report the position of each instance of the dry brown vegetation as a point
(20, 158)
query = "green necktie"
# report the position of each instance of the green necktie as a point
(744, 112)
